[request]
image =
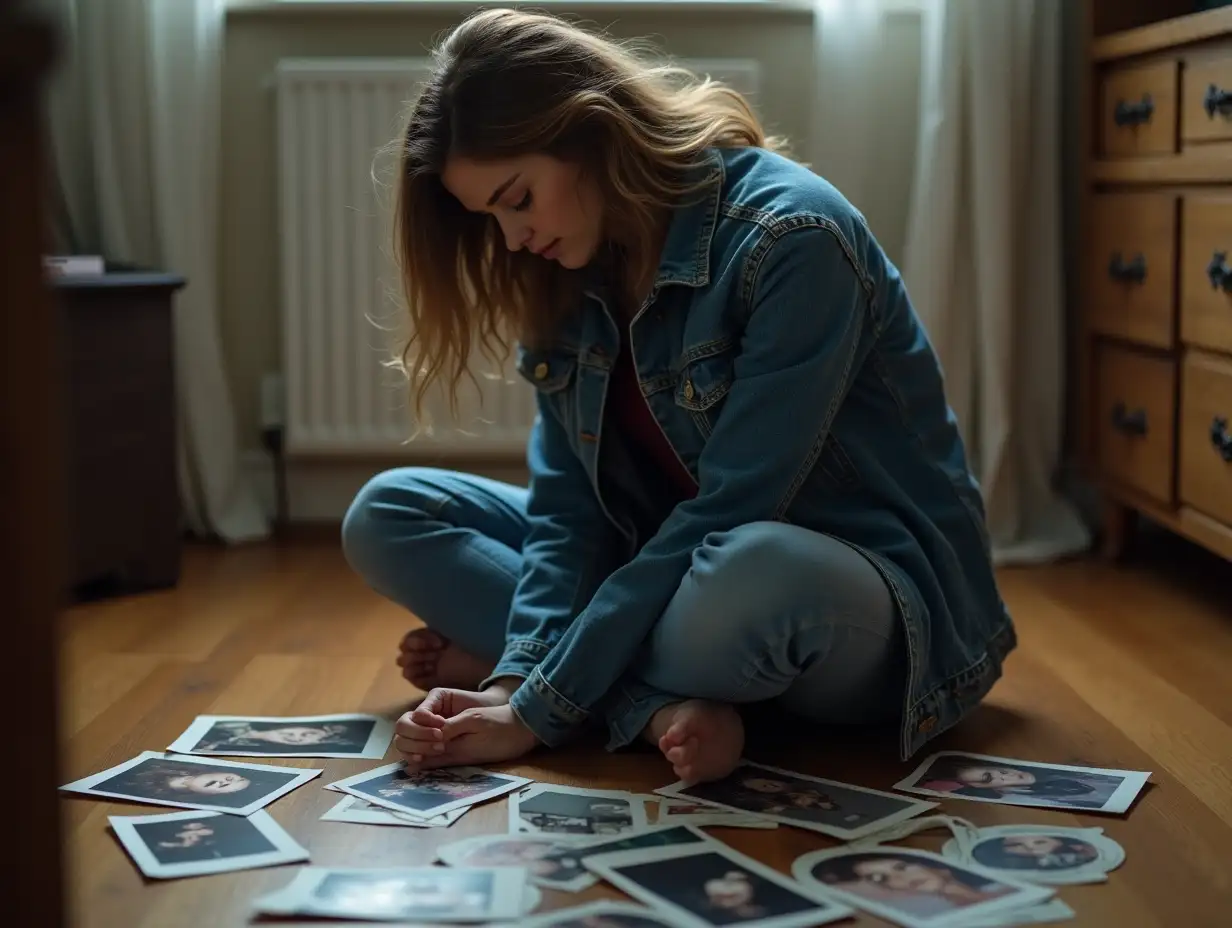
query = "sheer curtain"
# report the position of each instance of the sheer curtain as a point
(982, 237)
(135, 130)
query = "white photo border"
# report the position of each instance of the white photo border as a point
(85, 785)
(1028, 894)
(286, 849)
(297, 897)
(344, 811)
(911, 808)
(636, 801)
(1111, 854)
(825, 908)
(1133, 782)
(378, 743)
(602, 907)
(347, 785)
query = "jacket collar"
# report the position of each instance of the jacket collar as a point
(686, 250)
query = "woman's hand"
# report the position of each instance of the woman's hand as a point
(478, 734)
(440, 732)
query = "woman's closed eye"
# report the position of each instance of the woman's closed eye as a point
(523, 203)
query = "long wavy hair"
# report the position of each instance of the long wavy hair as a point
(507, 83)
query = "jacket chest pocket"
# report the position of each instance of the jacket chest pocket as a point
(705, 380)
(553, 374)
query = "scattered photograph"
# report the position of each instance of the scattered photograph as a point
(709, 884)
(603, 914)
(550, 860)
(428, 793)
(193, 783)
(439, 894)
(362, 812)
(182, 844)
(684, 811)
(984, 778)
(355, 736)
(840, 810)
(1041, 853)
(546, 808)
(572, 858)
(915, 888)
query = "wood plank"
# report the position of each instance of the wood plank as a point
(1119, 667)
(1181, 30)
(1208, 164)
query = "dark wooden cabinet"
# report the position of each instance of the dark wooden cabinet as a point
(125, 522)
(32, 531)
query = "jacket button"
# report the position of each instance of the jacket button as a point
(688, 390)
(541, 370)
(928, 724)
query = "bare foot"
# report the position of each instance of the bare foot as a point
(429, 659)
(701, 740)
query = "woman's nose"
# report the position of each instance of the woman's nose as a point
(517, 235)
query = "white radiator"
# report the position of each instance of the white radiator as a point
(338, 277)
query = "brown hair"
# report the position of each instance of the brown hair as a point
(508, 83)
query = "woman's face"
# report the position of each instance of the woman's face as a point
(210, 784)
(541, 203)
(762, 785)
(292, 734)
(1031, 845)
(731, 891)
(902, 876)
(995, 777)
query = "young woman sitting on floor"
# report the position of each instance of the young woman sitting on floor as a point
(746, 485)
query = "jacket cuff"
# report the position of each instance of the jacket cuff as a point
(520, 658)
(549, 716)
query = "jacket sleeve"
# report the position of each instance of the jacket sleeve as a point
(563, 553)
(807, 330)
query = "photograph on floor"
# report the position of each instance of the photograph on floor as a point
(1040, 853)
(183, 844)
(411, 893)
(710, 884)
(550, 860)
(986, 778)
(428, 793)
(547, 808)
(841, 810)
(358, 811)
(352, 735)
(684, 811)
(915, 888)
(604, 914)
(193, 783)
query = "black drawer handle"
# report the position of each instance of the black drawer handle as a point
(1219, 272)
(1130, 423)
(1131, 272)
(1217, 101)
(1221, 438)
(1134, 114)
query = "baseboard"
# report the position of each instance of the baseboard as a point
(319, 492)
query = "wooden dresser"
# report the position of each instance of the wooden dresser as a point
(1155, 351)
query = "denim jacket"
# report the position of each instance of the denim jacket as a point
(780, 354)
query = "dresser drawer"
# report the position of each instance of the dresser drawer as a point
(1138, 107)
(1206, 101)
(1206, 272)
(1135, 424)
(1206, 435)
(1132, 269)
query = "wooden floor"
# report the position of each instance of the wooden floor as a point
(1127, 667)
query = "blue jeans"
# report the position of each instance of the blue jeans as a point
(768, 611)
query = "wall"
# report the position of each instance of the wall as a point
(781, 39)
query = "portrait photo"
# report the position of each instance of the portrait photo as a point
(357, 736)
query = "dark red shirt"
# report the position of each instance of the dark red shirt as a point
(631, 414)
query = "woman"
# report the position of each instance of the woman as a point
(913, 886)
(745, 483)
